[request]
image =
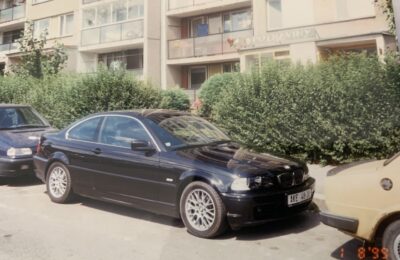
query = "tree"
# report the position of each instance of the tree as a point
(387, 6)
(36, 61)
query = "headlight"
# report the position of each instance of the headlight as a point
(16, 152)
(306, 176)
(253, 183)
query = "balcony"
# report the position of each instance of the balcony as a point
(185, 8)
(113, 33)
(11, 14)
(7, 47)
(215, 44)
(177, 4)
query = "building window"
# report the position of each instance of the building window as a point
(104, 14)
(119, 11)
(274, 14)
(116, 11)
(130, 59)
(40, 26)
(66, 24)
(2, 68)
(39, 1)
(198, 27)
(237, 21)
(89, 18)
(231, 67)
(256, 61)
(197, 76)
(11, 36)
(135, 9)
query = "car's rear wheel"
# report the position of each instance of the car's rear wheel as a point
(58, 183)
(391, 240)
(202, 210)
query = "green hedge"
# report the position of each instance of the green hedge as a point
(175, 99)
(340, 110)
(63, 98)
(212, 89)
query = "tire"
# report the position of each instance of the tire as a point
(58, 183)
(197, 204)
(391, 240)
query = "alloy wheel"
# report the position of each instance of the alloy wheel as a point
(58, 182)
(396, 247)
(200, 209)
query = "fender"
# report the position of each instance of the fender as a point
(56, 157)
(190, 176)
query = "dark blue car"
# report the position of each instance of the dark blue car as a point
(20, 129)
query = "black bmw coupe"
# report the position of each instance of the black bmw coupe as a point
(171, 163)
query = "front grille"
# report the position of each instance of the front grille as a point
(290, 179)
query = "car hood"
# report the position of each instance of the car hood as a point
(234, 158)
(21, 138)
(356, 168)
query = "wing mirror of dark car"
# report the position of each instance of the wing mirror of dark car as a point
(142, 146)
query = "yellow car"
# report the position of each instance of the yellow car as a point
(363, 200)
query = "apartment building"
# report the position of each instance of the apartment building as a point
(205, 37)
(94, 32)
(184, 42)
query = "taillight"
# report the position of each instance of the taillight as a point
(39, 146)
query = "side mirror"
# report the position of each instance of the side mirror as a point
(141, 146)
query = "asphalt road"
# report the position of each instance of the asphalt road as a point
(32, 227)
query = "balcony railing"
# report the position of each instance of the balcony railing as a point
(13, 13)
(6, 47)
(177, 4)
(112, 33)
(205, 46)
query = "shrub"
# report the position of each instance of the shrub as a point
(175, 99)
(340, 110)
(64, 98)
(14, 89)
(212, 89)
(109, 90)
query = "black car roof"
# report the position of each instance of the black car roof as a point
(12, 106)
(156, 115)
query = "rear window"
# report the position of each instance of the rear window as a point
(20, 117)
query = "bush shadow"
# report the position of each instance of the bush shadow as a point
(296, 224)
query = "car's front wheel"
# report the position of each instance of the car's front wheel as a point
(202, 210)
(59, 187)
(391, 240)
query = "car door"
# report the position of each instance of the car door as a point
(126, 175)
(80, 149)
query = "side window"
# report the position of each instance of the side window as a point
(121, 131)
(86, 131)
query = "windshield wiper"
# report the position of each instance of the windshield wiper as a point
(29, 126)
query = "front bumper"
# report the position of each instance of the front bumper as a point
(258, 208)
(15, 167)
(40, 167)
(342, 223)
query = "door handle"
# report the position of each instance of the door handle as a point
(96, 151)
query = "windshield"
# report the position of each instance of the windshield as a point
(20, 117)
(186, 131)
(391, 159)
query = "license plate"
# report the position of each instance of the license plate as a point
(297, 198)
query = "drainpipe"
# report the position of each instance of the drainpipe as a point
(396, 10)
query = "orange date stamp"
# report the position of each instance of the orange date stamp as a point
(370, 252)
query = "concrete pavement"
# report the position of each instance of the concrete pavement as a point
(32, 227)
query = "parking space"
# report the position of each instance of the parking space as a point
(32, 227)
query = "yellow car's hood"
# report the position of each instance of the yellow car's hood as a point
(356, 168)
